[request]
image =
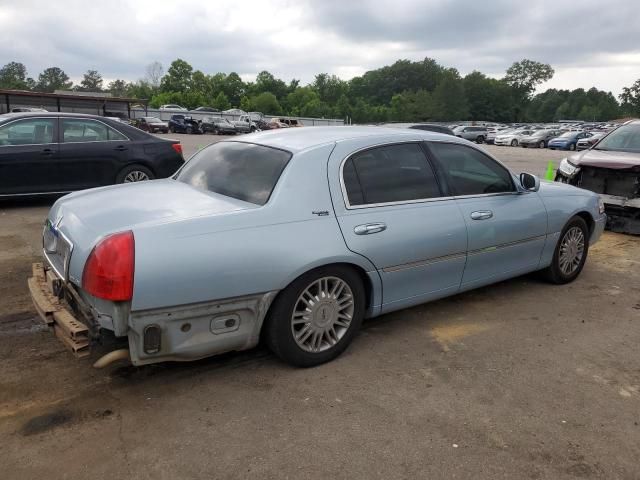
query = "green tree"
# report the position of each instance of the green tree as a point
(53, 78)
(449, 100)
(14, 76)
(234, 88)
(118, 88)
(267, 103)
(525, 75)
(178, 77)
(221, 102)
(329, 87)
(91, 81)
(266, 82)
(630, 98)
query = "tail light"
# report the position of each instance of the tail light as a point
(177, 147)
(108, 273)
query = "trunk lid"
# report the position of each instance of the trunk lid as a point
(80, 219)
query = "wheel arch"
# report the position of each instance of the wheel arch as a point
(586, 216)
(367, 283)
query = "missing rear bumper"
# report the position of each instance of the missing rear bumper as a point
(46, 294)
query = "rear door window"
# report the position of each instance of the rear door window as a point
(85, 130)
(245, 171)
(393, 173)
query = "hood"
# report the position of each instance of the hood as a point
(606, 159)
(554, 189)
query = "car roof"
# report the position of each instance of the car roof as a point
(298, 139)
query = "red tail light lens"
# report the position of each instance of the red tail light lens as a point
(177, 147)
(108, 272)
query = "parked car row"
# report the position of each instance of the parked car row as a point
(184, 123)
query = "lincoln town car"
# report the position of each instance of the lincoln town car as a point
(293, 237)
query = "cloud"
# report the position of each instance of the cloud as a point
(587, 42)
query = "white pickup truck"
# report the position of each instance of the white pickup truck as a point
(245, 124)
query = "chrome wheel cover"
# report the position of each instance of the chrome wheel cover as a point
(571, 250)
(322, 314)
(136, 176)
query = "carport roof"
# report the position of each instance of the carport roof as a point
(70, 96)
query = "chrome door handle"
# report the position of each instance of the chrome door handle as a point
(369, 228)
(481, 215)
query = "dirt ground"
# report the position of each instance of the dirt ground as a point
(516, 380)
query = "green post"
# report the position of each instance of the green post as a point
(550, 174)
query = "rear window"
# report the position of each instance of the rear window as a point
(244, 171)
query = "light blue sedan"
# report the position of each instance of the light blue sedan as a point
(295, 236)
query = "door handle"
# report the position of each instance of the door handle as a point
(369, 228)
(481, 215)
(47, 151)
(121, 148)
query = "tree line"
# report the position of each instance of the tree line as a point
(406, 91)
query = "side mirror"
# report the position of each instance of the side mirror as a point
(529, 182)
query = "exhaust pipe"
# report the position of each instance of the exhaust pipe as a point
(109, 358)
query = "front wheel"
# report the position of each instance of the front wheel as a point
(514, 143)
(572, 146)
(480, 139)
(172, 130)
(315, 318)
(570, 253)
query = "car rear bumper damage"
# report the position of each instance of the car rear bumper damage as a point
(183, 333)
(48, 295)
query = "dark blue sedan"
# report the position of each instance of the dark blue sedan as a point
(567, 141)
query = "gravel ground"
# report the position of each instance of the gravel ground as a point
(516, 380)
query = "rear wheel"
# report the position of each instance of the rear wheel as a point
(514, 143)
(541, 144)
(570, 253)
(572, 146)
(480, 139)
(134, 173)
(189, 130)
(316, 317)
(172, 130)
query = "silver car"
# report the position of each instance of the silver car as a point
(511, 137)
(295, 236)
(475, 134)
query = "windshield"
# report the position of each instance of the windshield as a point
(568, 135)
(153, 120)
(624, 139)
(239, 170)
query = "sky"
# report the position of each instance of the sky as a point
(588, 43)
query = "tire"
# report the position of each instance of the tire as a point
(130, 173)
(253, 129)
(189, 130)
(322, 334)
(514, 143)
(480, 139)
(572, 146)
(541, 144)
(172, 130)
(555, 273)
